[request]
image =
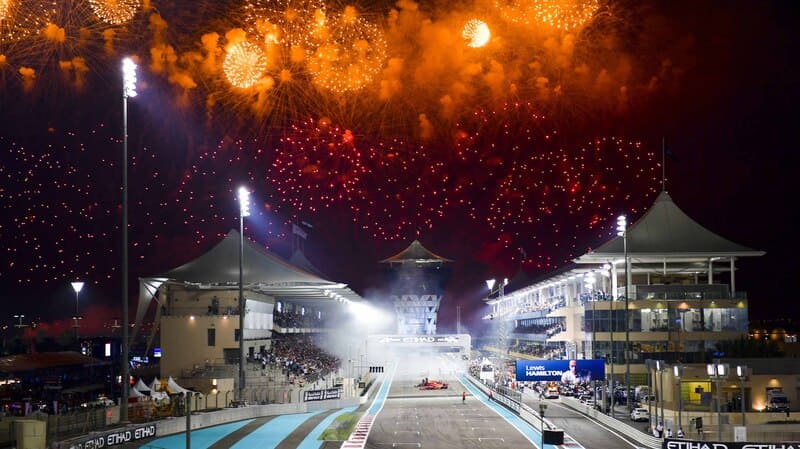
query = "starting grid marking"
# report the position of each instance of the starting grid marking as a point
(358, 438)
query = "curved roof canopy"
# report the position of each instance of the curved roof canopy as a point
(666, 232)
(262, 271)
(415, 253)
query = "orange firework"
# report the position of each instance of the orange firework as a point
(287, 22)
(19, 20)
(5, 5)
(476, 33)
(115, 12)
(352, 54)
(244, 65)
(565, 15)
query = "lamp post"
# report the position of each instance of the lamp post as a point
(244, 211)
(490, 283)
(660, 367)
(76, 286)
(128, 91)
(718, 372)
(20, 325)
(622, 231)
(677, 371)
(542, 408)
(741, 373)
(588, 284)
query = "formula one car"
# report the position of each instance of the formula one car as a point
(433, 385)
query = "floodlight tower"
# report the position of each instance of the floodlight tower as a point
(244, 211)
(128, 91)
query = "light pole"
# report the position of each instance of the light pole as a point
(660, 366)
(76, 286)
(622, 231)
(500, 301)
(542, 408)
(20, 325)
(741, 373)
(588, 283)
(244, 211)
(128, 91)
(677, 371)
(718, 372)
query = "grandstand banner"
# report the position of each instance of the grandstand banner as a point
(110, 438)
(689, 444)
(561, 370)
(322, 395)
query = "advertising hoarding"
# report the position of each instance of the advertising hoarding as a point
(561, 370)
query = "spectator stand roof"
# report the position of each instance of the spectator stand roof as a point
(663, 234)
(666, 232)
(415, 253)
(262, 271)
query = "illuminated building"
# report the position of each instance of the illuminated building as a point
(417, 284)
(683, 297)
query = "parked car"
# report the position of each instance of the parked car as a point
(640, 414)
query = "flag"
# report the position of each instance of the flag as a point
(297, 230)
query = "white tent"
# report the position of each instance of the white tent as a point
(158, 395)
(155, 385)
(141, 386)
(134, 393)
(173, 387)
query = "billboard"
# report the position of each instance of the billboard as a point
(561, 370)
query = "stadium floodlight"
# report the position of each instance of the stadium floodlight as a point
(128, 91)
(77, 287)
(244, 211)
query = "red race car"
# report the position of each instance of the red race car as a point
(433, 385)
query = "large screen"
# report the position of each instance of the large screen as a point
(561, 370)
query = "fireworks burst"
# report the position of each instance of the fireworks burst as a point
(244, 65)
(476, 33)
(21, 19)
(115, 12)
(293, 23)
(565, 15)
(352, 54)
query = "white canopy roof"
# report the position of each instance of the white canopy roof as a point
(262, 271)
(666, 232)
(141, 386)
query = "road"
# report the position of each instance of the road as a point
(412, 418)
(586, 431)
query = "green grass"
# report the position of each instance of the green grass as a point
(341, 428)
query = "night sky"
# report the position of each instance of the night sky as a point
(380, 124)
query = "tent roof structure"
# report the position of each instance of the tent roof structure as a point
(415, 253)
(666, 232)
(262, 271)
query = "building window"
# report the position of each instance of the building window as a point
(236, 334)
(212, 337)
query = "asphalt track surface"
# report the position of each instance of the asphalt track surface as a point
(415, 418)
(408, 417)
(580, 428)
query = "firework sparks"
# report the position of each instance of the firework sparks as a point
(351, 56)
(115, 12)
(565, 15)
(20, 19)
(244, 65)
(293, 23)
(476, 33)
